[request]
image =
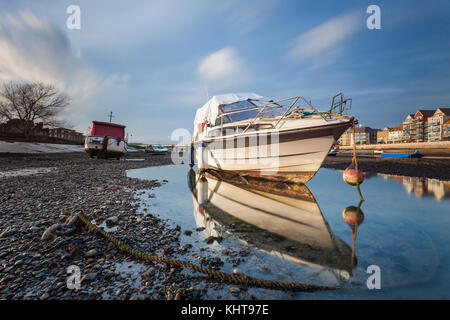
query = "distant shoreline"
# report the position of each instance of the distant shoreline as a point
(427, 168)
(438, 148)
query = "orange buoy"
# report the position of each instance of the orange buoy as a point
(353, 216)
(350, 177)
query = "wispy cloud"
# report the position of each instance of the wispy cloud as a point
(246, 16)
(321, 44)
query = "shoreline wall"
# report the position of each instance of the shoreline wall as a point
(400, 146)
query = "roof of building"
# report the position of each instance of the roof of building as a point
(365, 129)
(445, 111)
(447, 122)
(426, 112)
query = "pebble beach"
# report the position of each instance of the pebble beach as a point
(45, 189)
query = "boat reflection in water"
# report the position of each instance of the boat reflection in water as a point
(281, 219)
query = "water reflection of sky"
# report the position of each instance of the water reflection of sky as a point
(405, 235)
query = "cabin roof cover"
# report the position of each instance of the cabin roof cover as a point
(210, 109)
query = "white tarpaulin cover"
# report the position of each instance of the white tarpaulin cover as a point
(210, 109)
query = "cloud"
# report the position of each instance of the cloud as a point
(33, 50)
(246, 16)
(220, 65)
(223, 68)
(322, 44)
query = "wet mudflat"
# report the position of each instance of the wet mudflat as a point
(299, 234)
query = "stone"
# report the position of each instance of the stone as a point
(91, 253)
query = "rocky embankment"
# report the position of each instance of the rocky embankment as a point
(45, 189)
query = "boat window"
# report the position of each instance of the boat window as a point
(214, 133)
(226, 119)
(237, 106)
(269, 112)
(274, 111)
(239, 116)
(228, 131)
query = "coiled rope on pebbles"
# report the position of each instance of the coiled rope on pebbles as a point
(212, 273)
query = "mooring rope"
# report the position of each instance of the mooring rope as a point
(355, 161)
(212, 273)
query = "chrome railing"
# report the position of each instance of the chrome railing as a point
(276, 103)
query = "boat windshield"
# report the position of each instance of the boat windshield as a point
(269, 112)
(239, 116)
(239, 105)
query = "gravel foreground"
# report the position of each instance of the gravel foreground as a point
(37, 191)
(34, 269)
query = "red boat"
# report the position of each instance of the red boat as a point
(106, 140)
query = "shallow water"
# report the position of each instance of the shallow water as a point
(299, 234)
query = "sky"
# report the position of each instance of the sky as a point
(154, 63)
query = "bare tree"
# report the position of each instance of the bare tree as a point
(30, 103)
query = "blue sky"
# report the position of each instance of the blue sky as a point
(150, 62)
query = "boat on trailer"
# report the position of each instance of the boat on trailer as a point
(106, 140)
(283, 140)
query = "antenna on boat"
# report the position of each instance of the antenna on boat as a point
(206, 90)
(111, 116)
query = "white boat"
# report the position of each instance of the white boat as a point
(252, 135)
(106, 140)
(281, 219)
(156, 149)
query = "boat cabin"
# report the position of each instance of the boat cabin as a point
(234, 118)
(109, 129)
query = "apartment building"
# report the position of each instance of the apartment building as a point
(446, 130)
(434, 128)
(363, 135)
(395, 135)
(382, 135)
(414, 126)
(67, 134)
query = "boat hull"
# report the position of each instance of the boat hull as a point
(413, 155)
(111, 148)
(293, 155)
